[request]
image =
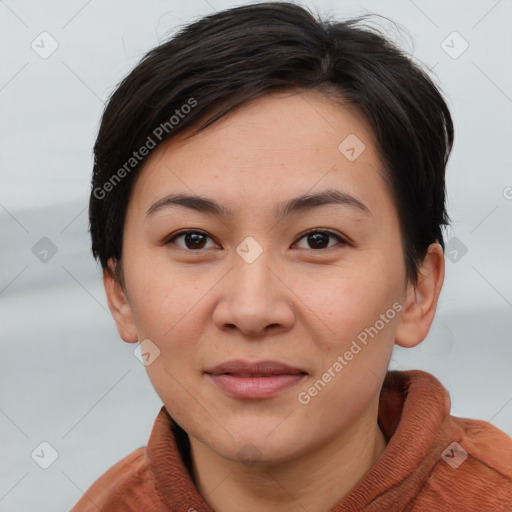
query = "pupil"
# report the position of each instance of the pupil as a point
(316, 237)
(193, 239)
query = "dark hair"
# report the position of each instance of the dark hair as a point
(223, 60)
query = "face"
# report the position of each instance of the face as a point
(317, 286)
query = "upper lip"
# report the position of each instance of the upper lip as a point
(239, 367)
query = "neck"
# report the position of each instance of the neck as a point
(315, 481)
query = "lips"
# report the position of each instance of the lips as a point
(262, 379)
(258, 369)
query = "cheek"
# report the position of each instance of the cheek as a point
(347, 301)
(165, 305)
(160, 298)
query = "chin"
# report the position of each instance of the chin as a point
(254, 454)
(257, 448)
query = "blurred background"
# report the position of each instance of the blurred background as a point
(74, 399)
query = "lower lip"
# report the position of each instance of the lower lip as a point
(255, 387)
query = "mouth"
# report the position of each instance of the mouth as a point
(261, 379)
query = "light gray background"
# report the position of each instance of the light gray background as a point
(66, 377)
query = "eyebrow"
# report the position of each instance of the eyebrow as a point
(295, 205)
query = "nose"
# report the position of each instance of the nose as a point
(255, 299)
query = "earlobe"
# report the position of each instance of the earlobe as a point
(119, 305)
(420, 301)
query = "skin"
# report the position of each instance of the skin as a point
(297, 303)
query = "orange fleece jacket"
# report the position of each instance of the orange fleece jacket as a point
(420, 470)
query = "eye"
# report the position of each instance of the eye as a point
(319, 239)
(192, 239)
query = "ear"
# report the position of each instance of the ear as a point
(119, 305)
(421, 300)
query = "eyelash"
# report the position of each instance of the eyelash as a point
(172, 237)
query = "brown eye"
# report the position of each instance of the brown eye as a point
(320, 239)
(192, 239)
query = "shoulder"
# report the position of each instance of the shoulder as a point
(489, 450)
(474, 472)
(127, 484)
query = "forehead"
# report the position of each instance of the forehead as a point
(277, 146)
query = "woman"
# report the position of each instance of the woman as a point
(267, 207)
